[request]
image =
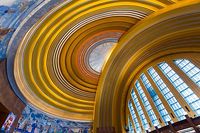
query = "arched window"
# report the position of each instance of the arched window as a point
(185, 91)
(160, 90)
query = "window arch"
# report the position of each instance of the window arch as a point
(171, 76)
(186, 92)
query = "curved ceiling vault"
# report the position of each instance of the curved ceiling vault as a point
(55, 65)
(168, 31)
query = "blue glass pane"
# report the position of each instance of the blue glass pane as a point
(189, 69)
(147, 105)
(134, 117)
(158, 103)
(169, 97)
(130, 125)
(139, 110)
(189, 96)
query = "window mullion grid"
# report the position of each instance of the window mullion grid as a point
(158, 103)
(187, 69)
(181, 88)
(168, 93)
(134, 117)
(146, 103)
(139, 109)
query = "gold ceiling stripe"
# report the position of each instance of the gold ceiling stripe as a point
(143, 37)
(32, 74)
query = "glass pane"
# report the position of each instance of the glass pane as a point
(169, 97)
(135, 120)
(158, 103)
(192, 71)
(130, 125)
(147, 105)
(139, 110)
(189, 96)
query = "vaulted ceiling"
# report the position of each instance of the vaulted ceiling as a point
(55, 61)
(71, 63)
